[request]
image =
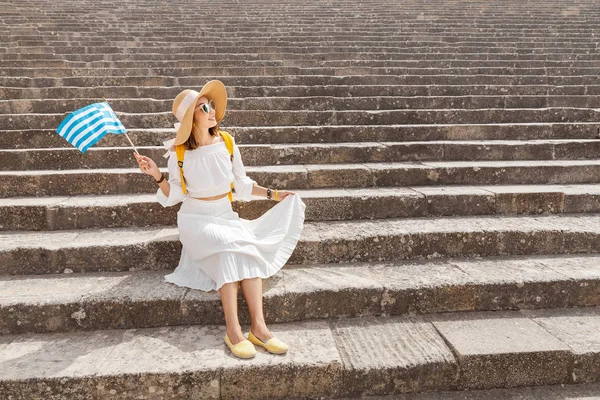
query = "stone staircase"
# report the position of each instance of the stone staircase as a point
(447, 152)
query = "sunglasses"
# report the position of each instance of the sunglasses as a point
(206, 107)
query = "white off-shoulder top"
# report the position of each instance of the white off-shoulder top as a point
(208, 171)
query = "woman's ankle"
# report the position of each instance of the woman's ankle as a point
(260, 330)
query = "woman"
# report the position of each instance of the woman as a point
(219, 249)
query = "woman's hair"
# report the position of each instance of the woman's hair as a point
(191, 142)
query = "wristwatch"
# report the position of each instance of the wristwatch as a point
(269, 194)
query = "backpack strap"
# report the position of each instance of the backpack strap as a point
(229, 144)
(180, 150)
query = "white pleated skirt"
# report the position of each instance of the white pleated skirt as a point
(219, 247)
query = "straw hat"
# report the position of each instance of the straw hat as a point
(185, 102)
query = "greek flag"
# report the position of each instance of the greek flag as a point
(84, 127)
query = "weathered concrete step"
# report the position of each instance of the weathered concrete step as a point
(314, 176)
(433, 352)
(299, 20)
(330, 56)
(342, 91)
(300, 24)
(547, 392)
(83, 212)
(441, 35)
(325, 53)
(405, 40)
(153, 60)
(296, 70)
(417, 48)
(39, 138)
(362, 41)
(44, 61)
(331, 117)
(398, 41)
(452, 17)
(407, 72)
(462, 34)
(141, 299)
(316, 46)
(120, 249)
(65, 158)
(286, 38)
(313, 103)
(308, 80)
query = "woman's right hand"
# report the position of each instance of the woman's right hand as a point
(148, 166)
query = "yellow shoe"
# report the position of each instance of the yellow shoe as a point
(272, 345)
(244, 349)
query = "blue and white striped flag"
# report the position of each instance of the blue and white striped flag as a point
(84, 127)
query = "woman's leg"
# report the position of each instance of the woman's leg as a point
(229, 293)
(252, 289)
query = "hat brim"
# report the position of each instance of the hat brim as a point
(213, 90)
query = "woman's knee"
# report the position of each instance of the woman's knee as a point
(250, 280)
(229, 287)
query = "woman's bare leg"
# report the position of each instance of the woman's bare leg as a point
(252, 289)
(229, 293)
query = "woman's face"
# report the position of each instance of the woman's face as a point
(202, 119)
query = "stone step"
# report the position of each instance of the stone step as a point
(314, 103)
(306, 80)
(440, 33)
(331, 117)
(433, 352)
(300, 19)
(313, 176)
(399, 41)
(547, 392)
(421, 32)
(120, 249)
(331, 56)
(404, 41)
(300, 25)
(142, 299)
(421, 51)
(225, 71)
(417, 47)
(443, 43)
(347, 92)
(152, 60)
(294, 70)
(118, 211)
(40, 138)
(65, 158)
(149, 38)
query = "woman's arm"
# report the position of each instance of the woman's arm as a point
(165, 186)
(149, 167)
(262, 192)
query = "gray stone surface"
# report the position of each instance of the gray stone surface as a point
(133, 299)
(114, 211)
(61, 158)
(321, 242)
(393, 355)
(503, 350)
(553, 392)
(162, 362)
(76, 301)
(578, 329)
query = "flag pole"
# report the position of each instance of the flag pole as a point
(127, 136)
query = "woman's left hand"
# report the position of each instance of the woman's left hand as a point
(282, 194)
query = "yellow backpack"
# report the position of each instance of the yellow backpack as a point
(180, 150)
